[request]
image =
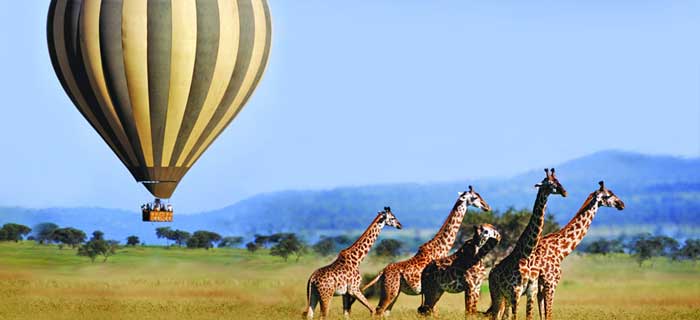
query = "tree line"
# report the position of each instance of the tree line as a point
(510, 224)
(646, 246)
(198, 239)
(642, 247)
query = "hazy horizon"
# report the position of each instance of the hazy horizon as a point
(380, 92)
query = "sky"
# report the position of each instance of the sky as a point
(368, 92)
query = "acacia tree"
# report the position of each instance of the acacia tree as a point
(329, 245)
(44, 231)
(603, 246)
(68, 236)
(251, 247)
(14, 232)
(203, 239)
(230, 242)
(388, 248)
(180, 237)
(691, 250)
(288, 244)
(325, 246)
(163, 232)
(132, 241)
(98, 246)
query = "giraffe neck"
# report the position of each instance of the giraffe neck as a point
(470, 253)
(357, 252)
(531, 235)
(443, 240)
(576, 229)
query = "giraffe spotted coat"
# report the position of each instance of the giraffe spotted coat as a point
(544, 265)
(462, 271)
(405, 276)
(342, 276)
(507, 279)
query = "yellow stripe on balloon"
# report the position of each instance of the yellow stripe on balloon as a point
(135, 45)
(182, 57)
(259, 44)
(223, 70)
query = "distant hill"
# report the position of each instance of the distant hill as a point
(660, 192)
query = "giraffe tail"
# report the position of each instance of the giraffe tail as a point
(371, 283)
(308, 299)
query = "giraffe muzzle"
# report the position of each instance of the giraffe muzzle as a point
(619, 205)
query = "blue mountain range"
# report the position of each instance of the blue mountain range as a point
(661, 193)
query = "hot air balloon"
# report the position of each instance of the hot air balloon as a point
(159, 80)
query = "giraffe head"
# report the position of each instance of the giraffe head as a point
(550, 184)
(389, 218)
(484, 233)
(605, 197)
(472, 198)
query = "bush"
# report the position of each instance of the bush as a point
(203, 239)
(388, 248)
(288, 244)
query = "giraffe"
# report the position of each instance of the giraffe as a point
(545, 262)
(507, 279)
(461, 271)
(405, 276)
(342, 276)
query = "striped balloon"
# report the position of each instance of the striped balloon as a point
(159, 80)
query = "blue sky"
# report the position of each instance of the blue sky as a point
(364, 92)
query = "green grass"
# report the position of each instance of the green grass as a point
(43, 282)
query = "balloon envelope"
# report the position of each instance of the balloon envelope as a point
(159, 80)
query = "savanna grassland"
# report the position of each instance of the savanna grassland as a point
(43, 282)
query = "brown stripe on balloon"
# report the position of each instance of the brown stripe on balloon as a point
(205, 60)
(250, 16)
(159, 46)
(266, 58)
(74, 73)
(89, 32)
(226, 57)
(115, 76)
(245, 50)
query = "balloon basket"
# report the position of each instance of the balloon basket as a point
(157, 216)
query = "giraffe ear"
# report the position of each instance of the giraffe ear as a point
(538, 185)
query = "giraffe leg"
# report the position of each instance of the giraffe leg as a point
(346, 305)
(325, 296)
(471, 298)
(540, 298)
(548, 300)
(313, 299)
(389, 291)
(387, 312)
(514, 303)
(501, 309)
(530, 293)
(431, 296)
(357, 294)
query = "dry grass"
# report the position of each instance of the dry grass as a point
(38, 282)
